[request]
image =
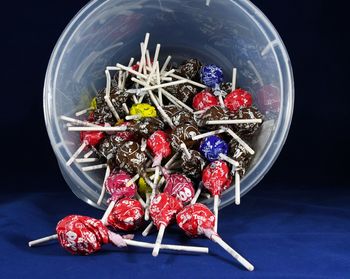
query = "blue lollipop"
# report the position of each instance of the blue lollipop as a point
(211, 147)
(212, 76)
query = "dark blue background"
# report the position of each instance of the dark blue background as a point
(294, 224)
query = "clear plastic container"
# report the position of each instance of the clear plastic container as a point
(227, 32)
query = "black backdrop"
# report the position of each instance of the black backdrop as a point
(315, 33)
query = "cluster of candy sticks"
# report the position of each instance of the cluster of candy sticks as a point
(178, 201)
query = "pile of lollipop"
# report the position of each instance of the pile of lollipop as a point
(165, 136)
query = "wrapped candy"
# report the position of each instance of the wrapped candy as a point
(227, 87)
(269, 100)
(237, 99)
(116, 185)
(194, 165)
(179, 186)
(190, 69)
(198, 220)
(182, 117)
(183, 134)
(160, 146)
(183, 92)
(163, 210)
(247, 129)
(126, 215)
(130, 157)
(213, 147)
(241, 155)
(211, 75)
(143, 110)
(204, 100)
(87, 139)
(216, 179)
(81, 235)
(147, 126)
(143, 187)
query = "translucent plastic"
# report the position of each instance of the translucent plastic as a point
(227, 33)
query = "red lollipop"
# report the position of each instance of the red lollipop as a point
(179, 186)
(160, 146)
(216, 178)
(163, 210)
(238, 98)
(81, 235)
(204, 100)
(197, 220)
(87, 139)
(126, 215)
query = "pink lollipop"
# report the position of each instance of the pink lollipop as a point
(216, 178)
(116, 185)
(197, 220)
(179, 186)
(163, 210)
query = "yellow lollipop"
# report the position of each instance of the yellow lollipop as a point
(93, 104)
(144, 187)
(143, 110)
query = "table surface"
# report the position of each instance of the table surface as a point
(293, 233)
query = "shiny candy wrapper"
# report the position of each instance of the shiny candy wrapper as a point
(91, 138)
(195, 219)
(160, 146)
(182, 117)
(81, 235)
(183, 134)
(116, 185)
(163, 209)
(204, 100)
(147, 126)
(190, 68)
(179, 186)
(241, 155)
(130, 157)
(126, 215)
(145, 110)
(213, 113)
(211, 147)
(211, 75)
(216, 177)
(247, 129)
(237, 99)
(192, 167)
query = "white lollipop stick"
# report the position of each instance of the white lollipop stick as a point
(171, 100)
(240, 141)
(176, 100)
(129, 65)
(130, 70)
(168, 73)
(88, 154)
(140, 199)
(228, 159)
(76, 154)
(221, 101)
(233, 121)
(77, 121)
(135, 243)
(232, 252)
(234, 77)
(212, 133)
(184, 149)
(125, 108)
(132, 180)
(147, 229)
(107, 212)
(156, 54)
(167, 79)
(143, 144)
(205, 195)
(165, 64)
(196, 195)
(81, 112)
(95, 167)
(133, 117)
(237, 188)
(120, 79)
(148, 59)
(103, 190)
(107, 96)
(143, 52)
(148, 200)
(188, 81)
(160, 96)
(163, 85)
(199, 111)
(155, 102)
(86, 160)
(154, 67)
(216, 212)
(159, 239)
(112, 68)
(98, 128)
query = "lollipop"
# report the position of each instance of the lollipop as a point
(247, 129)
(138, 111)
(192, 167)
(216, 179)
(190, 69)
(81, 235)
(212, 76)
(130, 157)
(182, 117)
(183, 92)
(179, 186)
(147, 126)
(197, 220)
(181, 137)
(126, 215)
(163, 210)
(160, 146)
(237, 99)
(204, 99)
(87, 139)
